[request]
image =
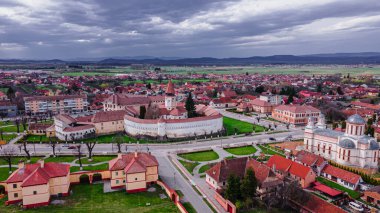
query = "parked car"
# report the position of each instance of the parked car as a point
(272, 139)
(72, 147)
(355, 206)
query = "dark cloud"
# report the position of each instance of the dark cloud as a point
(94, 28)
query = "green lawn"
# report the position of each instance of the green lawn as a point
(204, 168)
(109, 139)
(351, 193)
(15, 160)
(4, 174)
(90, 198)
(244, 150)
(8, 137)
(267, 151)
(200, 156)
(36, 138)
(189, 166)
(189, 208)
(89, 168)
(241, 126)
(61, 159)
(97, 159)
(12, 128)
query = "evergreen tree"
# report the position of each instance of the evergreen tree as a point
(149, 86)
(232, 192)
(259, 89)
(290, 99)
(319, 88)
(190, 106)
(10, 93)
(339, 91)
(142, 112)
(248, 185)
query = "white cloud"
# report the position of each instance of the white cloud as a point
(11, 47)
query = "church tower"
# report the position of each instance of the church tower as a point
(170, 99)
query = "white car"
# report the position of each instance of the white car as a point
(356, 207)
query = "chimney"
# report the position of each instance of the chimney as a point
(21, 164)
(136, 154)
(119, 155)
(42, 163)
(274, 167)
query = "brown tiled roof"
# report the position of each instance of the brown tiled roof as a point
(297, 108)
(260, 103)
(6, 103)
(222, 170)
(134, 167)
(78, 128)
(53, 98)
(123, 100)
(38, 126)
(317, 205)
(309, 158)
(285, 165)
(67, 119)
(103, 116)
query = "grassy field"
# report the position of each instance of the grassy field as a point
(37, 138)
(189, 166)
(61, 159)
(200, 156)
(244, 150)
(267, 151)
(88, 73)
(89, 168)
(242, 127)
(8, 137)
(305, 70)
(351, 193)
(97, 159)
(109, 139)
(4, 174)
(90, 198)
(176, 81)
(12, 128)
(204, 168)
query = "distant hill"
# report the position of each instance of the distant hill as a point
(336, 58)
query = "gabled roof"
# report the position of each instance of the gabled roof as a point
(67, 119)
(35, 174)
(222, 170)
(134, 167)
(309, 158)
(341, 174)
(286, 165)
(144, 159)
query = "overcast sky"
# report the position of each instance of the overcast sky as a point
(46, 29)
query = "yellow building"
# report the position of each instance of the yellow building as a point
(133, 171)
(33, 184)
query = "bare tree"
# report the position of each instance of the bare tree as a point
(53, 143)
(25, 148)
(1, 134)
(24, 121)
(292, 191)
(7, 154)
(90, 146)
(17, 123)
(79, 153)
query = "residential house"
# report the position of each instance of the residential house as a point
(7, 109)
(133, 171)
(372, 196)
(268, 182)
(34, 184)
(316, 162)
(288, 168)
(342, 177)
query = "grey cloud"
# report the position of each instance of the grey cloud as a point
(93, 28)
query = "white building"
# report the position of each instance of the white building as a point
(66, 128)
(350, 148)
(173, 121)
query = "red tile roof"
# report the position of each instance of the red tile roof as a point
(34, 174)
(328, 190)
(134, 167)
(285, 165)
(144, 159)
(170, 88)
(309, 158)
(341, 174)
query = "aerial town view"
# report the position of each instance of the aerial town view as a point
(228, 106)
